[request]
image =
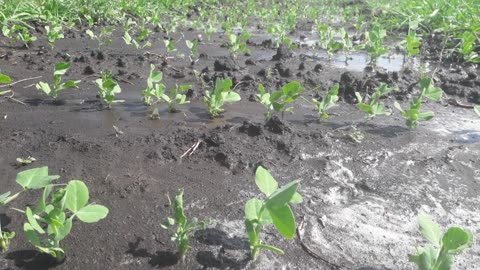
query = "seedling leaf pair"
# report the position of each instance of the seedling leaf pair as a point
(278, 100)
(439, 254)
(330, 99)
(60, 69)
(373, 107)
(413, 115)
(272, 210)
(107, 89)
(220, 95)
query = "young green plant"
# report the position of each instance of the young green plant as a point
(329, 100)
(372, 106)
(438, 255)
(274, 209)
(413, 115)
(278, 100)
(176, 97)
(52, 91)
(50, 221)
(180, 226)
(4, 79)
(154, 88)
(5, 238)
(221, 94)
(237, 43)
(107, 89)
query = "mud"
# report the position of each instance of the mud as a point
(360, 199)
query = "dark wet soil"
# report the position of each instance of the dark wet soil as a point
(360, 199)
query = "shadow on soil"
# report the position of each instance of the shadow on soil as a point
(32, 260)
(233, 253)
(160, 259)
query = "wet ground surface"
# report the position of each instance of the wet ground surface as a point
(360, 199)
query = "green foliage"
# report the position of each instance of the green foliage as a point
(412, 44)
(327, 102)
(238, 43)
(4, 79)
(220, 95)
(53, 33)
(438, 255)
(467, 47)
(169, 45)
(141, 35)
(180, 226)
(274, 209)
(50, 221)
(413, 115)
(104, 37)
(176, 97)
(18, 33)
(374, 42)
(5, 238)
(154, 88)
(107, 89)
(192, 46)
(373, 107)
(52, 91)
(278, 100)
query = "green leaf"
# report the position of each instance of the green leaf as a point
(265, 181)
(296, 198)
(92, 213)
(4, 197)
(33, 222)
(5, 92)
(30, 235)
(283, 220)
(41, 183)
(41, 204)
(232, 97)
(64, 230)
(252, 207)
(430, 230)
(434, 93)
(271, 248)
(283, 195)
(44, 87)
(425, 258)
(61, 68)
(76, 196)
(456, 240)
(29, 177)
(5, 79)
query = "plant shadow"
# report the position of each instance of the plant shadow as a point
(160, 259)
(234, 252)
(32, 260)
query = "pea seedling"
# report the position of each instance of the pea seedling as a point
(154, 87)
(73, 197)
(327, 102)
(192, 46)
(183, 227)
(107, 89)
(104, 37)
(438, 255)
(221, 94)
(413, 115)
(60, 69)
(274, 209)
(54, 33)
(238, 43)
(176, 97)
(373, 107)
(278, 100)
